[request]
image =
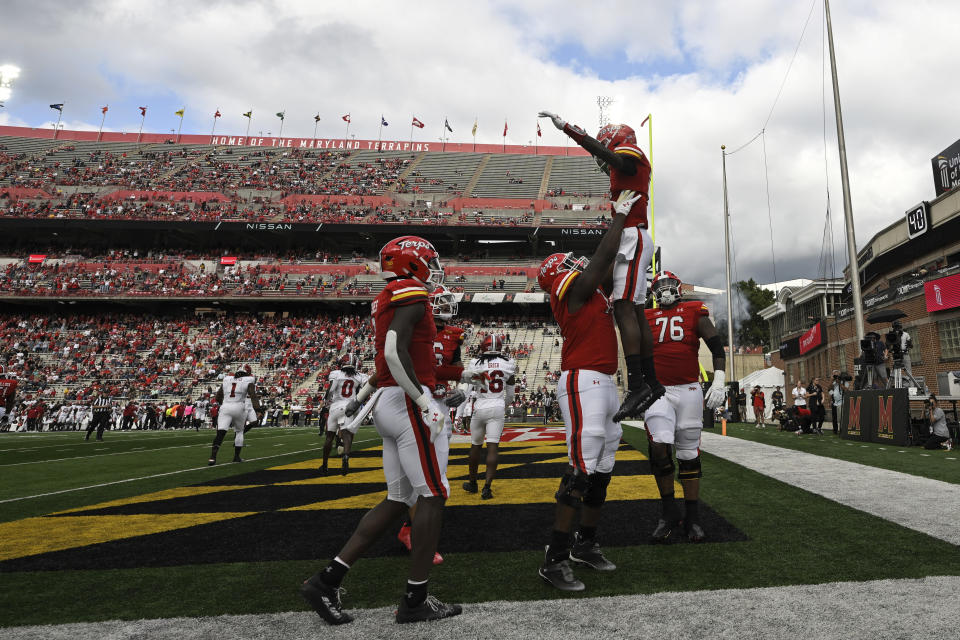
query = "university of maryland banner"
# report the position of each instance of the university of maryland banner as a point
(876, 415)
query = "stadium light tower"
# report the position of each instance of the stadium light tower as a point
(8, 73)
(604, 102)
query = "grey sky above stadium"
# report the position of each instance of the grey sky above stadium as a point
(709, 73)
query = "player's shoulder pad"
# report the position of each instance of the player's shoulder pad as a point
(562, 284)
(406, 291)
(631, 150)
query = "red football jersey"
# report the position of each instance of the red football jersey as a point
(448, 340)
(639, 182)
(399, 293)
(589, 337)
(8, 387)
(676, 341)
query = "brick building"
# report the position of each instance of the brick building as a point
(912, 265)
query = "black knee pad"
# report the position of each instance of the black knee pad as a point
(661, 459)
(690, 469)
(596, 493)
(218, 439)
(573, 485)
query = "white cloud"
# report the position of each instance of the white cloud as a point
(491, 60)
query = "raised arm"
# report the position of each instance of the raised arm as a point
(622, 163)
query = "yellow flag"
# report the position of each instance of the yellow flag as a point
(474, 130)
(180, 112)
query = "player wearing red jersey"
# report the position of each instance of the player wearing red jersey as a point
(8, 396)
(676, 419)
(616, 152)
(587, 395)
(410, 422)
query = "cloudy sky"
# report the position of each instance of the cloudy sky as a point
(709, 72)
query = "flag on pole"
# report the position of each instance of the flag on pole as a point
(248, 114)
(446, 125)
(316, 118)
(217, 114)
(346, 118)
(539, 132)
(475, 123)
(58, 107)
(104, 109)
(504, 128)
(143, 111)
(179, 112)
(417, 123)
(383, 122)
(281, 114)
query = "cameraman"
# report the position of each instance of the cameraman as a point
(901, 346)
(938, 425)
(880, 359)
(815, 403)
(836, 397)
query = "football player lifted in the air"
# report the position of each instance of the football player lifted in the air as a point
(587, 394)
(411, 423)
(676, 419)
(616, 152)
(344, 383)
(486, 424)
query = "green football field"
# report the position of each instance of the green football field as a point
(138, 526)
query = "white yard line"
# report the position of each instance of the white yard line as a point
(874, 610)
(161, 475)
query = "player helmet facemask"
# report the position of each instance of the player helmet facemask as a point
(557, 264)
(444, 303)
(411, 257)
(612, 136)
(666, 289)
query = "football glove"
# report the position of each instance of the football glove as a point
(431, 415)
(717, 392)
(558, 122)
(477, 377)
(455, 398)
(352, 407)
(625, 202)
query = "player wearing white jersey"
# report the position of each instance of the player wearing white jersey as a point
(232, 396)
(486, 423)
(344, 383)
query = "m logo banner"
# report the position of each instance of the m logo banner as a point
(853, 413)
(876, 415)
(885, 417)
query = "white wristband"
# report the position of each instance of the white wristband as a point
(365, 392)
(422, 401)
(719, 377)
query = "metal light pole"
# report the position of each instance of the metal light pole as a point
(845, 181)
(726, 244)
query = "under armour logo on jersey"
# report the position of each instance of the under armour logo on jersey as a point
(596, 381)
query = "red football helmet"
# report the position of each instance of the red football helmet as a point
(444, 303)
(554, 265)
(411, 257)
(612, 136)
(492, 344)
(666, 289)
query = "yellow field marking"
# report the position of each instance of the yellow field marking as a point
(33, 536)
(354, 477)
(333, 463)
(166, 494)
(462, 470)
(508, 491)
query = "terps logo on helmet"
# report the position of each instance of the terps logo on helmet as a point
(614, 135)
(415, 244)
(546, 266)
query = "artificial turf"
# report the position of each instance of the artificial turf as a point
(793, 537)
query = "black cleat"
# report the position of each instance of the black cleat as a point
(486, 494)
(238, 459)
(695, 532)
(588, 552)
(325, 600)
(470, 486)
(322, 469)
(346, 466)
(211, 462)
(662, 533)
(428, 610)
(638, 401)
(559, 575)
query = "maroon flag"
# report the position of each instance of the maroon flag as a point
(539, 133)
(504, 128)
(217, 114)
(346, 118)
(104, 109)
(645, 120)
(143, 111)
(417, 123)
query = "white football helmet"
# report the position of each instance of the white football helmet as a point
(444, 303)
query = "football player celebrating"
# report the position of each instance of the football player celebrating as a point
(343, 385)
(676, 419)
(616, 152)
(587, 395)
(486, 424)
(232, 396)
(410, 422)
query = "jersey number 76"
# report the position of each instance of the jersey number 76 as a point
(675, 325)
